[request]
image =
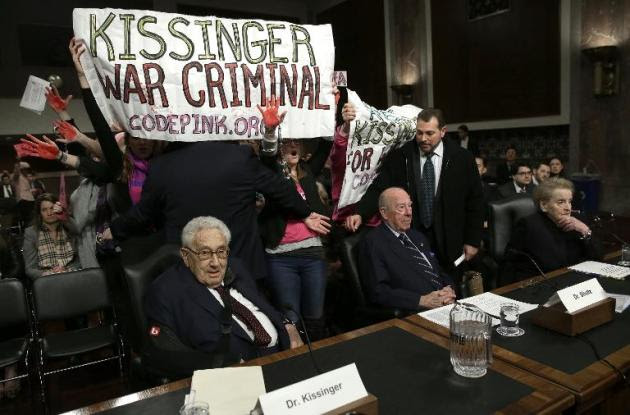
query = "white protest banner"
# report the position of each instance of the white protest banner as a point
(373, 134)
(186, 78)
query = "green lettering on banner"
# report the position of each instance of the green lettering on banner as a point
(189, 44)
(306, 41)
(275, 41)
(262, 44)
(100, 32)
(141, 23)
(127, 55)
(206, 43)
(235, 44)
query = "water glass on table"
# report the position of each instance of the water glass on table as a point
(509, 321)
(625, 256)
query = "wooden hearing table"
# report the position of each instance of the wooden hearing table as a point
(570, 362)
(406, 367)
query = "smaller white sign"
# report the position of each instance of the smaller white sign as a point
(316, 395)
(34, 97)
(578, 296)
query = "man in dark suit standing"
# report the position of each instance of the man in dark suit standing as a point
(506, 168)
(8, 202)
(443, 183)
(218, 179)
(466, 141)
(521, 182)
(397, 266)
(210, 302)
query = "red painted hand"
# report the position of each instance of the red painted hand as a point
(24, 150)
(271, 118)
(66, 130)
(55, 101)
(45, 149)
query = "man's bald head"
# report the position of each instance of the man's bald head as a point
(395, 208)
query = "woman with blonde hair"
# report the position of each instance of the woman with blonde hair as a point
(551, 236)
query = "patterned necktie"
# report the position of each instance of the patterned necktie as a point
(261, 337)
(427, 185)
(420, 259)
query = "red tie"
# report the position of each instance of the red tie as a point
(261, 337)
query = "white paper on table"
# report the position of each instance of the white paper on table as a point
(34, 98)
(230, 390)
(622, 301)
(601, 268)
(488, 302)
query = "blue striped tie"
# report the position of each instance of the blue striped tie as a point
(427, 185)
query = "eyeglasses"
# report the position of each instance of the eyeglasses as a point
(206, 254)
(524, 173)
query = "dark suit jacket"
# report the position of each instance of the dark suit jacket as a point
(216, 179)
(548, 245)
(177, 300)
(504, 172)
(7, 204)
(458, 205)
(391, 276)
(473, 146)
(507, 190)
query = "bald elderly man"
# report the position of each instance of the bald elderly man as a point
(397, 265)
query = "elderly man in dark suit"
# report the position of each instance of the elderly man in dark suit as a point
(218, 179)
(443, 183)
(397, 266)
(210, 302)
(521, 183)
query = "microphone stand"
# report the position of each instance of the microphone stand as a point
(308, 338)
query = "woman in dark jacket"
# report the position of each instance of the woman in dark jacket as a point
(295, 254)
(551, 237)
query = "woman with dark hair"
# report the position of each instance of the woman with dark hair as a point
(551, 236)
(49, 245)
(295, 254)
(556, 167)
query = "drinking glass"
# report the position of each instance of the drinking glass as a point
(509, 321)
(625, 256)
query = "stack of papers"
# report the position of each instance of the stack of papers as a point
(488, 302)
(602, 269)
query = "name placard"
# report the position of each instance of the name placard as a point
(316, 395)
(578, 296)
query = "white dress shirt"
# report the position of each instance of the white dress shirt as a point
(260, 316)
(438, 156)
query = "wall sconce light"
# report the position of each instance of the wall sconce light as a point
(404, 93)
(605, 61)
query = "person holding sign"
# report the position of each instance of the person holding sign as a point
(551, 236)
(398, 268)
(295, 254)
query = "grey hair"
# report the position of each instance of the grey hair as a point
(203, 222)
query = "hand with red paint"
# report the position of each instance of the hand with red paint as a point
(55, 102)
(271, 118)
(66, 130)
(45, 149)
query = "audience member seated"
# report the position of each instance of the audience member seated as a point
(521, 182)
(506, 168)
(541, 173)
(189, 298)
(551, 236)
(397, 267)
(556, 167)
(49, 245)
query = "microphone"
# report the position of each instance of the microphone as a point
(621, 241)
(308, 339)
(545, 279)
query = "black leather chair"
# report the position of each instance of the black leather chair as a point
(67, 295)
(138, 277)
(14, 319)
(365, 313)
(503, 215)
